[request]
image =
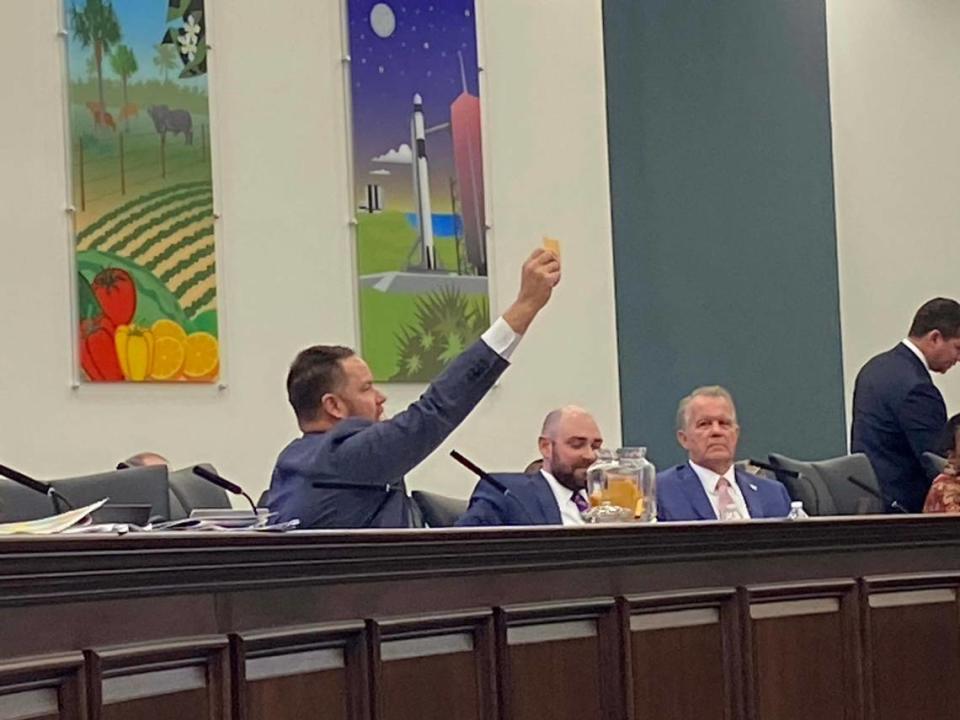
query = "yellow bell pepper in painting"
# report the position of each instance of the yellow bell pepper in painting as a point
(134, 351)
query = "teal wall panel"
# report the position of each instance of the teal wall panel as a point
(723, 219)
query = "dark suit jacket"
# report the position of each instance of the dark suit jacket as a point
(680, 495)
(375, 453)
(898, 414)
(529, 501)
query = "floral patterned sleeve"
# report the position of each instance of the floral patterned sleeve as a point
(944, 495)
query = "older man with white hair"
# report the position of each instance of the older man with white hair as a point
(709, 486)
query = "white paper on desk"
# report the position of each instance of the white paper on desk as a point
(50, 525)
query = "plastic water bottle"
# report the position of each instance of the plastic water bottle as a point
(796, 511)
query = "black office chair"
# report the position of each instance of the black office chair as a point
(19, 503)
(439, 510)
(809, 488)
(193, 492)
(849, 498)
(933, 464)
(146, 485)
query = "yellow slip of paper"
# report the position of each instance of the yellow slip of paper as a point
(552, 245)
(50, 525)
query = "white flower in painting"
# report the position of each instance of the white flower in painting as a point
(189, 38)
(188, 46)
(192, 28)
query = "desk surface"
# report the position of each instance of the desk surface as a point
(765, 615)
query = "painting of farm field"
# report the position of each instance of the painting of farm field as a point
(418, 171)
(142, 191)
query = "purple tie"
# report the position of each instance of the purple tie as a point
(580, 501)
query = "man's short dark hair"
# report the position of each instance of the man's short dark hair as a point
(941, 314)
(315, 372)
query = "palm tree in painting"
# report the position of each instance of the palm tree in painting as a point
(165, 60)
(96, 26)
(124, 63)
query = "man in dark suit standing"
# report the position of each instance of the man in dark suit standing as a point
(898, 413)
(358, 458)
(709, 486)
(553, 495)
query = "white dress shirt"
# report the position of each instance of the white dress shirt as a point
(501, 338)
(916, 351)
(569, 512)
(709, 480)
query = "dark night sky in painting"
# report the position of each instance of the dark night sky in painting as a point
(419, 55)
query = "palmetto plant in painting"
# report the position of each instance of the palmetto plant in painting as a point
(446, 320)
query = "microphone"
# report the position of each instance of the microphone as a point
(774, 468)
(879, 495)
(37, 486)
(344, 485)
(222, 482)
(484, 475)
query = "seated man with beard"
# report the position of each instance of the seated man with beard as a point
(554, 495)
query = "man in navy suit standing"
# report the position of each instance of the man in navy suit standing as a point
(553, 495)
(709, 486)
(898, 413)
(346, 470)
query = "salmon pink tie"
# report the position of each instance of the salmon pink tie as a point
(726, 505)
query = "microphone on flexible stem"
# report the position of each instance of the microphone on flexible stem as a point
(223, 483)
(41, 487)
(879, 495)
(484, 475)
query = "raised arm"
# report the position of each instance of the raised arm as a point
(376, 452)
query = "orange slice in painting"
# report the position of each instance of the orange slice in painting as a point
(168, 328)
(168, 356)
(203, 356)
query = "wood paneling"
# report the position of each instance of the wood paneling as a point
(678, 672)
(557, 679)
(915, 653)
(438, 687)
(742, 621)
(187, 679)
(803, 644)
(561, 661)
(322, 694)
(683, 655)
(435, 667)
(276, 674)
(43, 688)
(191, 705)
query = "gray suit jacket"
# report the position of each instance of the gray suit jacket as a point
(357, 450)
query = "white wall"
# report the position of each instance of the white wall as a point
(284, 252)
(895, 95)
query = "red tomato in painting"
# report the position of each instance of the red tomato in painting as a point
(98, 353)
(116, 294)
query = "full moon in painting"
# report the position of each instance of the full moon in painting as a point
(382, 20)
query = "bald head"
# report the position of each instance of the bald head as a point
(560, 416)
(568, 443)
(145, 458)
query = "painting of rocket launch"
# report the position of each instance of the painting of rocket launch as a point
(418, 174)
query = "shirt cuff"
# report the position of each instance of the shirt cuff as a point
(501, 338)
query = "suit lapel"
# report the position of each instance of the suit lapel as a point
(546, 501)
(693, 489)
(750, 495)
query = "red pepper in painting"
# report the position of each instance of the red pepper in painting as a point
(117, 295)
(98, 353)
